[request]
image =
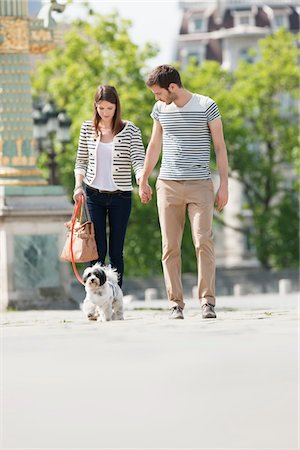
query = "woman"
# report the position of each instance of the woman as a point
(108, 148)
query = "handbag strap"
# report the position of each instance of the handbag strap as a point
(77, 208)
(85, 207)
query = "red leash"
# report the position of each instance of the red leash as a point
(76, 211)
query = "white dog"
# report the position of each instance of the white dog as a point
(104, 296)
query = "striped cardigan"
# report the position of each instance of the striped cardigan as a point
(128, 151)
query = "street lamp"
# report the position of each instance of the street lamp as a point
(64, 128)
(39, 127)
(50, 125)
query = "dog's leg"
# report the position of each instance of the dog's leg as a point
(89, 309)
(118, 308)
(106, 312)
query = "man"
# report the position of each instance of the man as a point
(185, 123)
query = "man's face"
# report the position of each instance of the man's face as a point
(164, 95)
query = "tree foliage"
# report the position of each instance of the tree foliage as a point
(98, 51)
(95, 51)
(258, 104)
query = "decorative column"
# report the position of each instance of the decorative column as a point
(32, 214)
(19, 36)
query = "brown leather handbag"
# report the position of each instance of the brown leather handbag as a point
(80, 245)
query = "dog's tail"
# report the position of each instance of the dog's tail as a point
(111, 274)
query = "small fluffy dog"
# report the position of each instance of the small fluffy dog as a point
(104, 297)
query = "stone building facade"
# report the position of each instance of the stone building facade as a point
(224, 30)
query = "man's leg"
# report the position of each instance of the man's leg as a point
(171, 211)
(200, 197)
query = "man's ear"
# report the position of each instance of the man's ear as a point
(172, 87)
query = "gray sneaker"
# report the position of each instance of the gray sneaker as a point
(176, 313)
(208, 311)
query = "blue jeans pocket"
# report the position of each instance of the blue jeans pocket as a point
(126, 195)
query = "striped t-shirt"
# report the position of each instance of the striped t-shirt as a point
(186, 138)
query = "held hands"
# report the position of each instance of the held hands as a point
(145, 191)
(221, 197)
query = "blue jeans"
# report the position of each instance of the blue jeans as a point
(116, 208)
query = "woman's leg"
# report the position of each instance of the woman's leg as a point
(97, 204)
(118, 217)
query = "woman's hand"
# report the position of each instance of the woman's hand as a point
(78, 193)
(145, 191)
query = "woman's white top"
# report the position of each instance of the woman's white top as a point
(103, 178)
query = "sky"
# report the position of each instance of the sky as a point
(155, 21)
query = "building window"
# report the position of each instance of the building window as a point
(198, 24)
(244, 55)
(197, 54)
(243, 19)
(279, 21)
(248, 243)
(194, 56)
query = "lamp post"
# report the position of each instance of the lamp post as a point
(50, 125)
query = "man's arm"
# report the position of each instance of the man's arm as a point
(152, 156)
(216, 129)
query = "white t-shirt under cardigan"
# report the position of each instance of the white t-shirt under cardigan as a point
(186, 138)
(103, 179)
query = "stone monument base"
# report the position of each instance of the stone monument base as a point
(32, 235)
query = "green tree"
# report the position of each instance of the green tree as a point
(259, 107)
(96, 51)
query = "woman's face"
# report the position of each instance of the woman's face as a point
(106, 110)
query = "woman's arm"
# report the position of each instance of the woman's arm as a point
(137, 154)
(82, 159)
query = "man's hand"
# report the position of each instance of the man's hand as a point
(145, 191)
(221, 197)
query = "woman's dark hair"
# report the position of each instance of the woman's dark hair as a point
(163, 76)
(108, 93)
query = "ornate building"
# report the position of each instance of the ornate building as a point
(32, 213)
(224, 30)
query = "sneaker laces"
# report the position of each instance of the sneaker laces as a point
(209, 306)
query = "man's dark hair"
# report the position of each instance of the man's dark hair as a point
(163, 76)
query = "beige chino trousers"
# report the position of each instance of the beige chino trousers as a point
(174, 198)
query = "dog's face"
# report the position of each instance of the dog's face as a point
(94, 277)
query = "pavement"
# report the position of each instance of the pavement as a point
(151, 383)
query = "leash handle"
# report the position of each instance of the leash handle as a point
(76, 210)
